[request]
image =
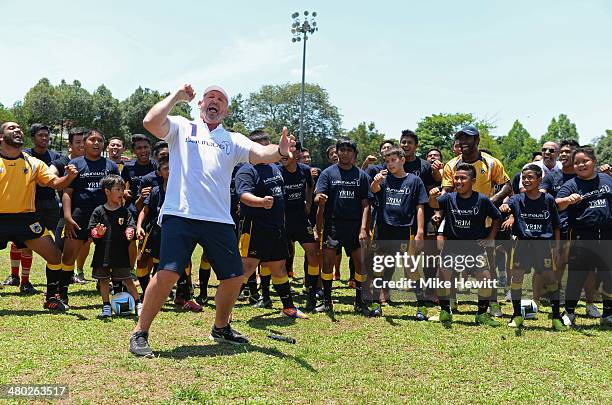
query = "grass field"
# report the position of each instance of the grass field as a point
(393, 359)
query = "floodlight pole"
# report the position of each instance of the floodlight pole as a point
(302, 91)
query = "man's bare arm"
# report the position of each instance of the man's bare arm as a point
(156, 121)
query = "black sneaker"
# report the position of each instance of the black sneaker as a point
(139, 344)
(263, 303)
(55, 304)
(311, 303)
(244, 295)
(81, 276)
(28, 289)
(326, 306)
(227, 335)
(364, 310)
(254, 299)
(11, 281)
(202, 299)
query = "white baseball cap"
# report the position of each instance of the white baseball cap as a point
(216, 88)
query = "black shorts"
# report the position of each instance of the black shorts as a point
(462, 255)
(261, 242)
(81, 216)
(49, 213)
(18, 228)
(338, 234)
(299, 229)
(180, 235)
(390, 232)
(532, 254)
(120, 273)
(151, 243)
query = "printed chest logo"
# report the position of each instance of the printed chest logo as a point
(225, 146)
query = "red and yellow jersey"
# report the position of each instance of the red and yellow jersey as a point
(490, 172)
(18, 179)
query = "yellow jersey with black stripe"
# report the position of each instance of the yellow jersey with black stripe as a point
(490, 172)
(18, 180)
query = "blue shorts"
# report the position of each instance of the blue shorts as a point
(180, 235)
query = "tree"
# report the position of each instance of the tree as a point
(107, 113)
(560, 129)
(516, 148)
(236, 118)
(603, 148)
(40, 104)
(368, 140)
(276, 106)
(76, 105)
(6, 114)
(137, 105)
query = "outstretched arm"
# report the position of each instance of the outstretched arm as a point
(272, 153)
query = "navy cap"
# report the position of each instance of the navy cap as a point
(468, 130)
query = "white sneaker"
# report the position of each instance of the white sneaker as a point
(607, 321)
(106, 311)
(138, 308)
(568, 319)
(508, 296)
(592, 311)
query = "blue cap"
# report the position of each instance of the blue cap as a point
(468, 130)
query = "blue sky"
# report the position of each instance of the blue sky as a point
(390, 62)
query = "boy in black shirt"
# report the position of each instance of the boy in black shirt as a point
(535, 222)
(343, 198)
(112, 228)
(465, 213)
(81, 199)
(263, 238)
(400, 214)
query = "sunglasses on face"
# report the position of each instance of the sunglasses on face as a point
(550, 150)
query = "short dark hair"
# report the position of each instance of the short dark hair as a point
(432, 149)
(408, 133)
(76, 131)
(140, 138)
(259, 135)
(534, 168)
(305, 150)
(164, 160)
(534, 154)
(329, 148)
(385, 141)
(159, 145)
(92, 131)
(111, 180)
(466, 167)
(569, 142)
(116, 138)
(399, 152)
(346, 142)
(34, 128)
(587, 150)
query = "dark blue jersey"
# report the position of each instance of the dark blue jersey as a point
(398, 199)
(262, 180)
(44, 193)
(595, 209)
(465, 218)
(60, 164)
(150, 180)
(87, 193)
(552, 183)
(373, 170)
(534, 219)
(422, 169)
(132, 173)
(154, 202)
(295, 188)
(345, 190)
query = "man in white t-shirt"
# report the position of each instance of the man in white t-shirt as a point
(197, 205)
(549, 162)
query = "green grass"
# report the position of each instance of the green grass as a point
(394, 359)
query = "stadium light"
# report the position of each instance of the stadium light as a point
(300, 29)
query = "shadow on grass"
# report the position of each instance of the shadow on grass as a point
(8, 312)
(273, 318)
(183, 352)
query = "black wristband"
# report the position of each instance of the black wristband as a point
(279, 152)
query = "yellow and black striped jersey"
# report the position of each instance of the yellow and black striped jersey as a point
(18, 180)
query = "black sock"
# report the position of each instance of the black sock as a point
(265, 286)
(144, 282)
(182, 288)
(252, 285)
(105, 303)
(570, 306)
(311, 281)
(66, 278)
(554, 303)
(516, 295)
(327, 290)
(445, 304)
(607, 308)
(204, 275)
(284, 292)
(53, 280)
(351, 269)
(358, 296)
(483, 305)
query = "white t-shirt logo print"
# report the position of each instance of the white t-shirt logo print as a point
(201, 164)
